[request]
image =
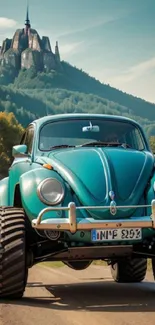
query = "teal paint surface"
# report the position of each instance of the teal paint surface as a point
(92, 173)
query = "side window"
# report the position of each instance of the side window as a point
(22, 141)
(28, 139)
(134, 139)
(139, 140)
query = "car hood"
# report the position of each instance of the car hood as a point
(93, 172)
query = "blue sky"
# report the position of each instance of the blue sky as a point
(112, 40)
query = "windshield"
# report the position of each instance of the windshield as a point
(82, 131)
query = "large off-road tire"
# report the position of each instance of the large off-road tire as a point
(129, 270)
(13, 270)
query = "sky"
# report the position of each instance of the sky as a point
(112, 40)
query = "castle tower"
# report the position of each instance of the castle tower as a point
(57, 54)
(27, 21)
(26, 49)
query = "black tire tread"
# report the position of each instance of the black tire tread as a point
(129, 270)
(13, 271)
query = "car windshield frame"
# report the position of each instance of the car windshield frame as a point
(94, 121)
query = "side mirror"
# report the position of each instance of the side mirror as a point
(19, 151)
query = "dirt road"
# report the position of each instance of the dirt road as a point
(62, 296)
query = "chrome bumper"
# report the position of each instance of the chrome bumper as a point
(72, 224)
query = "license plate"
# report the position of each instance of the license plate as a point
(101, 235)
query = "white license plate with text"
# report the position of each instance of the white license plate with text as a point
(101, 235)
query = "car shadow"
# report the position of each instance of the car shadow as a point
(94, 297)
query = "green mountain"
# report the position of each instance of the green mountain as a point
(31, 94)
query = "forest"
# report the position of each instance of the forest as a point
(30, 95)
(10, 134)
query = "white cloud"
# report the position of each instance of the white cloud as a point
(87, 27)
(83, 29)
(70, 48)
(134, 72)
(138, 80)
(7, 23)
(101, 20)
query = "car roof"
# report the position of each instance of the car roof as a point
(58, 117)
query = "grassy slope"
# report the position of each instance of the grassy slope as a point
(73, 90)
(28, 104)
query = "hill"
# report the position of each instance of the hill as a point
(32, 94)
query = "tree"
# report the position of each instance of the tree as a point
(152, 143)
(10, 134)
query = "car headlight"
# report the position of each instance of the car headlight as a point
(50, 191)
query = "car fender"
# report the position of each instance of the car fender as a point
(28, 188)
(150, 193)
(4, 192)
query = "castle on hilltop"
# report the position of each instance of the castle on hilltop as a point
(26, 49)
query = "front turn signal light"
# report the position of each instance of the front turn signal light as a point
(47, 166)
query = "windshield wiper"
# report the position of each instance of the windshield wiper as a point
(99, 143)
(93, 144)
(61, 146)
(104, 144)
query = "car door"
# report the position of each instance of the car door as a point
(23, 164)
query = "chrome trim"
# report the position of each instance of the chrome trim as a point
(72, 225)
(112, 195)
(113, 208)
(43, 199)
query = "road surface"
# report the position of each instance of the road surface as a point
(62, 296)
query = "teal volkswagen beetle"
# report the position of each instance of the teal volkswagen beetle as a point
(81, 187)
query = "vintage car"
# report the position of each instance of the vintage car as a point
(81, 188)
